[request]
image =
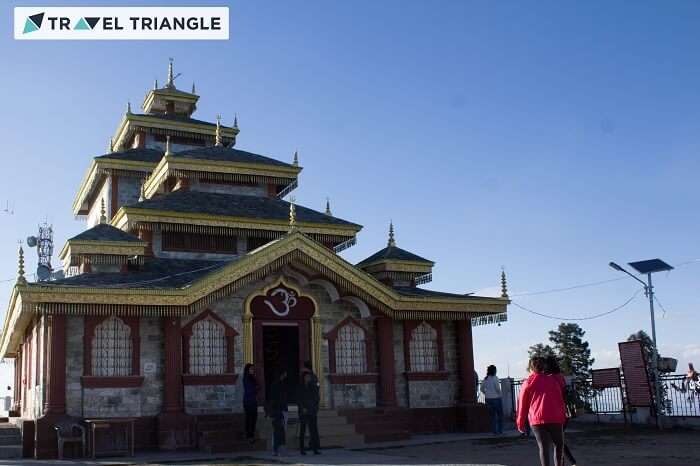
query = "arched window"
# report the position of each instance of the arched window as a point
(350, 350)
(111, 348)
(423, 349)
(350, 353)
(207, 348)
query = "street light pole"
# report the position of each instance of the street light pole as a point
(649, 267)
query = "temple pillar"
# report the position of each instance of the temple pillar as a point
(17, 388)
(471, 416)
(55, 403)
(175, 428)
(385, 348)
(465, 348)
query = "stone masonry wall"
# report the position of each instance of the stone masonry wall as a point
(438, 393)
(362, 395)
(128, 190)
(114, 402)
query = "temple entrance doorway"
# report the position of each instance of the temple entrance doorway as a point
(281, 352)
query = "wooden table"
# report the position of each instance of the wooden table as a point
(108, 423)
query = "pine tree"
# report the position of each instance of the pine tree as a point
(573, 352)
(540, 350)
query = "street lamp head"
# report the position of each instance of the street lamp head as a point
(616, 267)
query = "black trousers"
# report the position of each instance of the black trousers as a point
(548, 435)
(312, 421)
(251, 419)
(278, 433)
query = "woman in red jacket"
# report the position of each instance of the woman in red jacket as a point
(542, 404)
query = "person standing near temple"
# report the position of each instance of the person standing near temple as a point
(542, 404)
(491, 388)
(277, 409)
(250, 401)
(553, 369)
(309, 400)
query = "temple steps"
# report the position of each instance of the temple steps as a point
(10, 441)
(224, 433)
(378, 425)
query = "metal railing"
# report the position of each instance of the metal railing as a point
(681, 397)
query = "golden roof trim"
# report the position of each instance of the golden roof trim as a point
(127, 216)
(115, 248)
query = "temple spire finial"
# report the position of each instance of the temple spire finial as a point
(392, 240)
(218, 142)
(235, 121)
(504, 284)
(171, 79)
(194, 91)
(128, 108)
(103, 211)
(111, 145)
(295, 162)
(167, 146)
(328, 207)
(292, 215)
(155, 84)
(21, 280)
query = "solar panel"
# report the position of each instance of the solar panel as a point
(650, 266)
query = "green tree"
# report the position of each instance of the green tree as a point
(540, 350)
(573, 352)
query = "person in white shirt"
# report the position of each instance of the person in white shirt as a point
(491, 388)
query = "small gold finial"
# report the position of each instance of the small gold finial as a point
(193, 89)
(504, 284)
(295, 162)
(103, 212)
(171, 79)
(111, 145)
(167, 146)
(292, 215)
(392, 240)
(128, 108)
(218, 142)
(328, 207)
(21, 280)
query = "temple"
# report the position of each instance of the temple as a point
(193, 264)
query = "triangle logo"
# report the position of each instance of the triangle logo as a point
(82, 25)
(33, 23)
(92, 21)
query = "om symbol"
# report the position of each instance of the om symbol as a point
(288, 301)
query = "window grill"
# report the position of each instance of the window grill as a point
(111, 348)
(207, 348)
(423, 349)
(350, 350)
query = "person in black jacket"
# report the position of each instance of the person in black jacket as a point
(250, 401)
(309, 400)
(276, 408)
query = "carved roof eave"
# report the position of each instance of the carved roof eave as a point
(127, 217)
(130, 121)
(16, 317)
(170, 163)
(187, 98)
(95, 170)
(388, 265)
(113, 248)
(296, 244)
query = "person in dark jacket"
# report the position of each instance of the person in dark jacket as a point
(276, 409)
(250, 401)
(309, 400)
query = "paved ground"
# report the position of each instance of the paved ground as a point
(591, 446)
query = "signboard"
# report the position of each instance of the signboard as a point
(634, 367)
(606, 378)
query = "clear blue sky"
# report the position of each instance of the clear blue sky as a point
(547, 137)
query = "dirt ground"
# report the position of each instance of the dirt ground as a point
(591, 447)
